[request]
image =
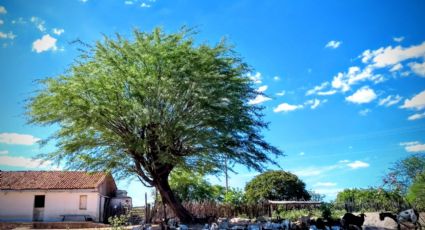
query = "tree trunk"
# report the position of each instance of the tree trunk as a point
(168, 197)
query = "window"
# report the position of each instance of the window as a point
(83, 202)
(39, 201)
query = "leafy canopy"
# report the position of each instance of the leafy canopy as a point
(404, 172)
(145, 105)
(192, 186)
(416, 192)
(276, 185)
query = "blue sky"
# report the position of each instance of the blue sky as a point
(344, 81)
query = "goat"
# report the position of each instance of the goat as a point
(351, 219)
(409, 215)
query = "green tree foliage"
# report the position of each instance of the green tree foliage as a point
(402, 174)
(416, 192)
(234, 196)
(146, 105)
(370, 199)
(191, 186)
(276, 185)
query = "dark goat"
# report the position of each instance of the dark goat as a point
(351, 219)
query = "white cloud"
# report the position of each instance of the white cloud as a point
(409, 143)
(46, 43)
(413, 146)
(324, 184)
(259, 99)
(358, 164)
(416, 116)
(302, 153)
(390, 56)
(129, 2)
(398, 39)
(314, 103)
(326, 93)
(20, 20)
(344, 80)
(317, 88)
(39, 23)
(262, 88)
(285, 107)
(364, 112)
(1, 22)
(58, 31)
(333, 44)
(417, 102)
(281, 93)
(255, 78)
(390, 100)
(418, 68)
(25, 163)
(3, 10)
(276, 78)
(362, 95)
(396, 67)
(84, 1)
(9, 35)
(4, 152)
(18, 139)
(144, 5)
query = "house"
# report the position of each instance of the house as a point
(56, 195)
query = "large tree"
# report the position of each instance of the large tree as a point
(276, 185)
(403, 172)
(146, 105)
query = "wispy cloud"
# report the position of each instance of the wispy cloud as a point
(285, 107)
(317, 88)
(333, 44)
(262, 88)
(358, 164)
(413, 146)
(58, 31)
(20, 20)
(3, 10)
(39, 23)
(418, 68)
(276, 78)
(417, 102)
(416, 116)
(256, 78)
(362, 96)
(324, 184)
(390, 100)
(145, 5)
(313, 171)
(314, 103)
(364, 112)
(398, 39)
(389, 56)
(281, 93)
(18, 139)
(10, 35)
(259, 99)
(27, 163)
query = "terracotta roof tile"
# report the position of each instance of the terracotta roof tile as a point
(29, 180)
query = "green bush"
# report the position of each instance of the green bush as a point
(118, 222)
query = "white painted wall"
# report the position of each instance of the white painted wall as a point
(19, 205)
